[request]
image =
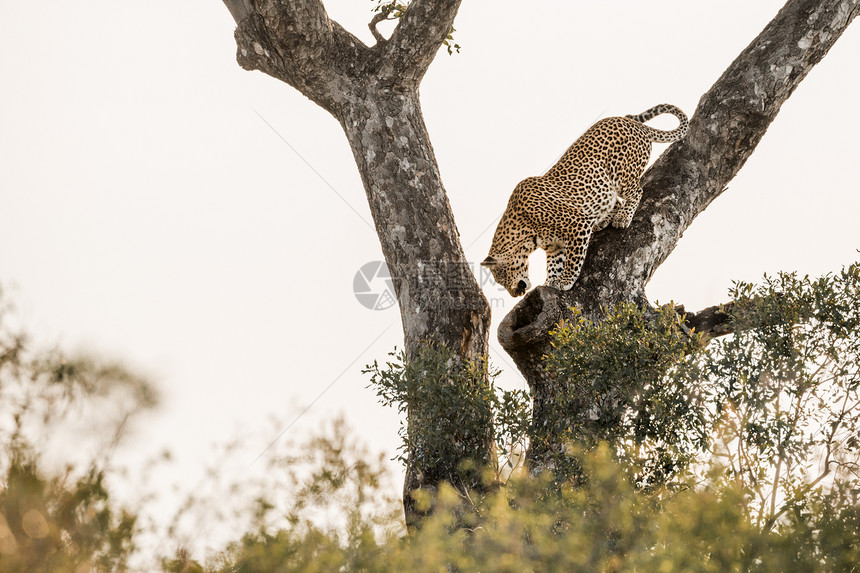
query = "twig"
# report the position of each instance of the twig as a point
(377, 18)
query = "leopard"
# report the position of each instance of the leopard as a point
(595, 183)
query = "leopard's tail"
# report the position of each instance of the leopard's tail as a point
(659, 135)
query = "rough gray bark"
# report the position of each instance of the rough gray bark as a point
(373, 93)
(729, 122)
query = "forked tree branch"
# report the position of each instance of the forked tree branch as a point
(296, 42)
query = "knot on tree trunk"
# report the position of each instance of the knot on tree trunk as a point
(253, 46)
(525, 332)
(531, 319)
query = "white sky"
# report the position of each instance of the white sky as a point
(147, 211)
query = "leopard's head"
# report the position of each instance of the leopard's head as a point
(510, 272)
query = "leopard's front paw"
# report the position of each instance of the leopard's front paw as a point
(558, 284)
(622, 223)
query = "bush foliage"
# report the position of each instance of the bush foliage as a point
(625, 381)
(448, 402)
(669, 453)
(604, 524)
(61, 520)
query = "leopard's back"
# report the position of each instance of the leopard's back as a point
(595, 182)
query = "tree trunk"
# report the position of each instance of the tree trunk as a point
(439, 299)
(729, 122)
(438, 295)
(373, 93)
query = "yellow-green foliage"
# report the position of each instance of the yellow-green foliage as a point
(604, 525)
(61, 521)
(625, 381)
(741, 456)
(456, 415)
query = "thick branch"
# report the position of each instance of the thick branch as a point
(417, 38)
(296, 42)
(731, 119)
(307, 17)
(729, 122)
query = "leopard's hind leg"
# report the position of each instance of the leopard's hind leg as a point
(622, 214)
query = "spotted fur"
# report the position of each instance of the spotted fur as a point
(594, 184)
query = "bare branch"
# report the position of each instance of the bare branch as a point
(307, 22)
(730, 120)
(377, 18)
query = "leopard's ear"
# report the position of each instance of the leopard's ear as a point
(489, 262)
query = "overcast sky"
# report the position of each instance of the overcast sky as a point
(205, 224)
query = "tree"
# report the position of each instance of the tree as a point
(373, 93)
